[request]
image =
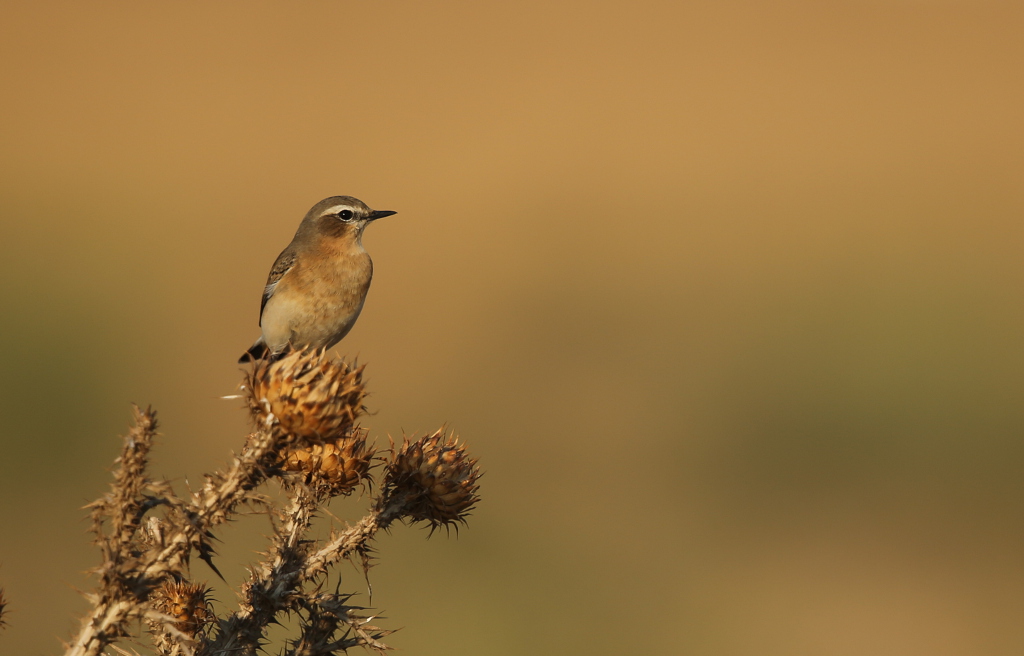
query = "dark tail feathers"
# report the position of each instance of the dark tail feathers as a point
(257, 351)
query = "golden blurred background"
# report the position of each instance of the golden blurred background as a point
(728, 297)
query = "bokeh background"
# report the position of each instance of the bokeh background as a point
(728, 297)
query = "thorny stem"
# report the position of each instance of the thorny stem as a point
(327, 613)
(113, 604)
(271, 585)
(387, 509)
(145, 560)
(274, 588)
(211, 505)
(118, 602)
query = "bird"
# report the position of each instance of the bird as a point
(318, 284)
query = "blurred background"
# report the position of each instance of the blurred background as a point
(728, 297)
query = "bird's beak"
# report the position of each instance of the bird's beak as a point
(380, 214)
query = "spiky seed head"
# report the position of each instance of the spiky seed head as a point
(306, 395)
(340, 465)
(438, 477)
(187, 603)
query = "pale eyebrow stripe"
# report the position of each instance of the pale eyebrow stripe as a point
(337, 208)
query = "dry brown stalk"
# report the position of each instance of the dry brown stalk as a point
(147, 534)
(3, 608)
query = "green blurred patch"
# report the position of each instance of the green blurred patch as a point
(874, 386)
(53, 389)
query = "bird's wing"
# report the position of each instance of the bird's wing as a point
(284, 263)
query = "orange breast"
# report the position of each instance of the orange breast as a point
(318, 301)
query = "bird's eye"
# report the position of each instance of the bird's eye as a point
(345, 215)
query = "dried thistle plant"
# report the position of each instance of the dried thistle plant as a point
(437, 477)
(305, 407)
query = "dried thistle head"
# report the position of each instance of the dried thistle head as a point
(306, 395)
(339, 465)
(187, 603)
(438, 478)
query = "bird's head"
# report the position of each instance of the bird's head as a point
(342, 216)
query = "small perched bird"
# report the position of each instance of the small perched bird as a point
(318, 284)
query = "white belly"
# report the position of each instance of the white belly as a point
(292, 319)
